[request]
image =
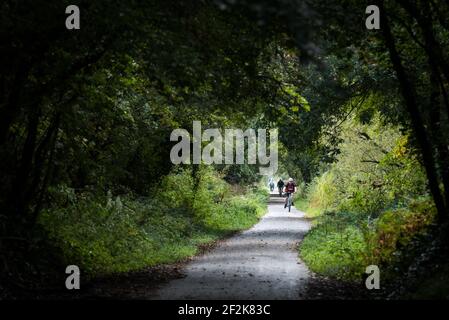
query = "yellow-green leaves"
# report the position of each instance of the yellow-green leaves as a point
(295, 100)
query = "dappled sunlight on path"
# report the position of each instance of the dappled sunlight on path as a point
(260, 263)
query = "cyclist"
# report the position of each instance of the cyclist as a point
(281, 185)
(290, 188)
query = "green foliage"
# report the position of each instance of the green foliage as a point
(322, 192)
(335, 253)
(96, 233)
(341, 245)
(395, 229)
(369, 205)
(93, 111)
(243, 174)
(375, 170)
(104, 234)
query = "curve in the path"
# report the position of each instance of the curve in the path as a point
(259, 263)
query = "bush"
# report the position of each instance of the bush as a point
(239, 212)
(104, 234)
(396, 229)
(335, 253)
(366, 203)
(98, 235)
(322, 192)
(341, 245)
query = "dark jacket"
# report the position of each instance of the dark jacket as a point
(280, 184)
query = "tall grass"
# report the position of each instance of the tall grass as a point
(368, 206)
(105, 234)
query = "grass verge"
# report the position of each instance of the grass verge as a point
(104, 235)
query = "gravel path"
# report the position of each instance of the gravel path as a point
(259, 263)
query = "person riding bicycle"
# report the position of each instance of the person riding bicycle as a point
(281, 185)
(290, 188)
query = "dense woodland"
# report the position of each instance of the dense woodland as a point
(86, 117)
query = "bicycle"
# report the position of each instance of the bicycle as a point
(289, 201)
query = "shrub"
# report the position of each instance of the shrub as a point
(105, 234)
(342, 244)
(395, 229)
(335, 253)
(322, 191)
(369, 199)
(97, 235)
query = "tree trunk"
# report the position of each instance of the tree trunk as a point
(52, 139)
(432, 47)
(409, 95)
(22, 183)
(438, 136)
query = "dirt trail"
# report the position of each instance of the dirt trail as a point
(259, 263)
